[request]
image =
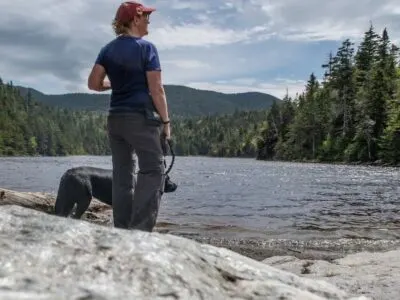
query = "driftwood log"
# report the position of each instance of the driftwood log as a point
(97, 213)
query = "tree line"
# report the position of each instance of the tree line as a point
(29, 128)
(353, 115)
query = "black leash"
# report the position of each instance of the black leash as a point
(169, 185)
(171, 149)
(166, 145)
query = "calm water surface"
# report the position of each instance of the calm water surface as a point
(245, 197)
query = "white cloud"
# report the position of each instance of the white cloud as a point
(277, 88)
(188, 64)
(323, 32)
(234, 44)
(391, 9)
(335, 20)
(186, 4)
(200, 35)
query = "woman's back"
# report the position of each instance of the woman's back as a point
(126, 60)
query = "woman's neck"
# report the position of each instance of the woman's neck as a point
(133, 33)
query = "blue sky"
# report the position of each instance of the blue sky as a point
(229, 46)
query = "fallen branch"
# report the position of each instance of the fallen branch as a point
(97, 213)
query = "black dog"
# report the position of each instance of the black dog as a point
(79, 185)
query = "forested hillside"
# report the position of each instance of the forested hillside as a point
(182, 101)
(235, 135)
(353, 115)
(31, 128)
(28, 127)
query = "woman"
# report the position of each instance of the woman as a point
(133, 68)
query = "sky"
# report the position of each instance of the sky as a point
(269, 46)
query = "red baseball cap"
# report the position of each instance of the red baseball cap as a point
(127, 10)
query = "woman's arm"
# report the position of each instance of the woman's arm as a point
(96, 80)
(159, 99)
(158, 94)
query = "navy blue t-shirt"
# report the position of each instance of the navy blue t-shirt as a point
(126, 60)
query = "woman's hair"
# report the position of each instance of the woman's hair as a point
(119, 27)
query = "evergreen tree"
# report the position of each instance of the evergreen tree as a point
(353, 115)
(366, 55)
(390, 141)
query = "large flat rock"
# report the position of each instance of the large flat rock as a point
(47, 257)
(373, 274)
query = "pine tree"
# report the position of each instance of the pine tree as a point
(343, 89)
(366, 55)
(304, 134)
(380, 92)
(328, 68)
(390, 141)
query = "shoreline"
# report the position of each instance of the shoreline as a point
(338, 163)
(326, 250)
(258, 248)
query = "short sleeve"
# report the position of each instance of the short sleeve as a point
(100, 57)
(152, 59)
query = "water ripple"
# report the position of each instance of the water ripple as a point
(245, 196)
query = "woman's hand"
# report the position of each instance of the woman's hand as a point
(167, 131)
(106, 84)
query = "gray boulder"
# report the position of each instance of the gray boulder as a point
(373, 274)
(48, 257)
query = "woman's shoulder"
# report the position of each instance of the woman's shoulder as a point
(109, 43)
(146, 43)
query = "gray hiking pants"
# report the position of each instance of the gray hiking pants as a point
(135, 202)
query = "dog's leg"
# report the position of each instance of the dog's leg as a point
(81, 191)
(73, 189)
(82, 205)
(64, 202)
(63, 206)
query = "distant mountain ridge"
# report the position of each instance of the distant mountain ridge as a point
(183, 101)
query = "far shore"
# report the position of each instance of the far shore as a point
(377, 163)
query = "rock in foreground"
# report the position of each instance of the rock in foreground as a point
(374, 274)
(48, 257)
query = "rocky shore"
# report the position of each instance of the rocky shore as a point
(374, 274)
(47, 257)
(258, 249)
